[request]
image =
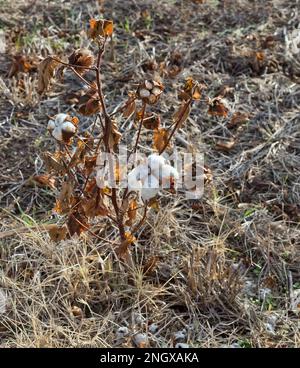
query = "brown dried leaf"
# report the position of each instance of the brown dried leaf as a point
(45, 180)
(20, 64)
(57, 233)
(196, 93)
(238, 118)
(225, 146)
(130, 108)
(77, 223)
(182, 114)
(131, 212)
(83, 58)
(115, 136)
(89, 164)
(46, 71)
(154, 204)
(160, 138)
(78, 155)
(217, 107)
(95, 206)
(101, 27)
(152, 122)
(63, 203)
(90, 108)
(53, 162)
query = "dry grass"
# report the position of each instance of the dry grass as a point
(226, 266)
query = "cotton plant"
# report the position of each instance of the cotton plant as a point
(84, 192)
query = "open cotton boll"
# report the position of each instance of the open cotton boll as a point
(155, 162)
(142, 171)
(150, 187)
(68, 127)
(57, 134)
(60, 118)
(148, 193)
(138, 173)
(168, 171)
(133, 179)
(144, 93)
(51, 125)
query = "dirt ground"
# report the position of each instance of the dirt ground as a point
(227, 271)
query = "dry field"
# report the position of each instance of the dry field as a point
(226, 267)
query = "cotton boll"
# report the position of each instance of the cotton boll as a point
(142, 171)
(150, 187)
(150, 182)
(156, 91)
(68, 127)
(168, 171)
(133, 180)
(148, 193)
(57, 134)
(148, 85)
(51, 125)
(152, 99)
(155, 162)
(60, 118)
(144, 93)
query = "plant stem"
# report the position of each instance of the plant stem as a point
(140, 128)
(107, 132)
(188, 103)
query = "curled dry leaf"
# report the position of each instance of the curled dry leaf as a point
(238, 118)
(115, 135)
(225, 145)
(160, 138)
(101, 27)
(216, 107)
(122, 250)
(94, 205)
(45, 180)
(151, 121)
(131, 212)
(91, 107)
(129, 108)
(63, 203)
(76, 312)
(78, 155)
(183, 113)
(20, 64)
(82, 58)
(46, 71)
(89, 103)
(90, 164)
(57, 233)
(154, 204)
(191, 90)
(53, 162)
(77, 222)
